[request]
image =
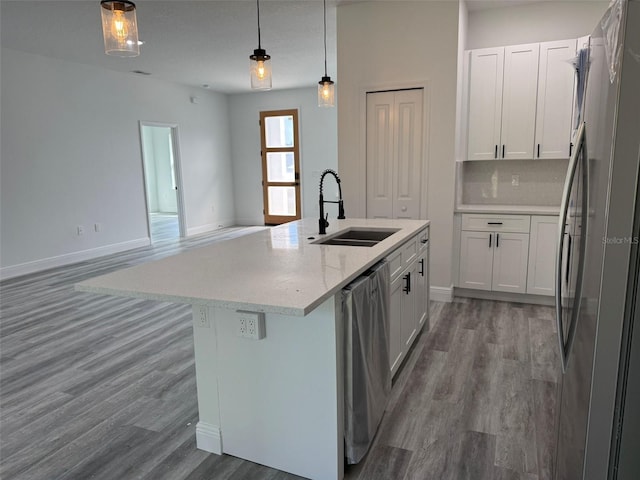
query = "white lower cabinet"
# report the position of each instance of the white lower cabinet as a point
(395, 324)
(542, 255)
(494, 253)
(422, 287)
(510, 256)
(408, 316)
(476, 260)
(409, 297)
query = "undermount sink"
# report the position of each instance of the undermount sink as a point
(358, 237)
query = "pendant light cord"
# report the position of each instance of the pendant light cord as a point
(324, 9)
(258, 5)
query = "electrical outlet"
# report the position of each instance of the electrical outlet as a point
(515, 180)
(80, 230)
(201, 316)
(251, 325)
(97, 227)
(242, 326)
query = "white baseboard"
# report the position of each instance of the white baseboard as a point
(441, 294)
(209, 438)
(68, 258)
(505, 296)
(210, 227)
(250, 222)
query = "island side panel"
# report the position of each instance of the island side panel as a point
(208, 434)
(281, 397)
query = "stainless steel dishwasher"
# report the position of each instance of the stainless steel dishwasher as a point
(365, 313)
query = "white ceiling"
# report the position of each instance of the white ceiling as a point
(191, 42)
(187, 42)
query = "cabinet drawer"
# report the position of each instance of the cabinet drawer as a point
(409, 251)
(423, 239)
(495, 223)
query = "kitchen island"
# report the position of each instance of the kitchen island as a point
(277, 400)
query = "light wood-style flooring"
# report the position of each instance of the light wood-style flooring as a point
(98, 387)
(164, 226)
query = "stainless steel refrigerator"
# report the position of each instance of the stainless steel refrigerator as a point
(598, 260)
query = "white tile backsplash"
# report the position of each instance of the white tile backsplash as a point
(490, 182)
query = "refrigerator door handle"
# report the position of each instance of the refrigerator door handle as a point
(564, 209)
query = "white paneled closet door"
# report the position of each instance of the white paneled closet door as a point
(380, 107)
(394, 153)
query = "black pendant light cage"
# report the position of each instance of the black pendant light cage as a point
(260, 64)
(120, 28)
(326, 87)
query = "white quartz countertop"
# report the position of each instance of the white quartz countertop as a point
(276, 270)
(515, 209)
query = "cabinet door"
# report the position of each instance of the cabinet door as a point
(409, 304)
(520, 87)
(476, 260)
(542, 255)
(511, 252)
(422, 289)
(554, 110)
(395, 323)
(407, 153)
(485, 103)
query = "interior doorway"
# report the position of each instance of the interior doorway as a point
(162, 181)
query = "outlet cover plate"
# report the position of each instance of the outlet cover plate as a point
(251, 325)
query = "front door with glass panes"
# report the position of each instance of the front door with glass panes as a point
(280, 166)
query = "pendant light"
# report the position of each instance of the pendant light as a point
(119, 28)
(326, 87)
(260, 65)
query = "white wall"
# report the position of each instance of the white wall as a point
(400, 42)
(71, 155)
(461, 120)
(536, 22)
(318, 143)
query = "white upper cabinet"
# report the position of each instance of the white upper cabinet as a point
(556, 78)
(520, 101)
(503, 84)
(520, 87)
(485, 103)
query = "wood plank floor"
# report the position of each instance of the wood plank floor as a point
(104, 387)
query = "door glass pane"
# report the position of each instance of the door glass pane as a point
(279, 131)
(280, 167)
(282, 201)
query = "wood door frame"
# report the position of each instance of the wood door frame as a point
(425, 85)
(279, 219)
(177, 166)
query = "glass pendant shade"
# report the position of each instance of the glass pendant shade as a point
(260, 67)
(326, 92)
(119, 28)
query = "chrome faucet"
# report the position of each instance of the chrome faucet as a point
(323, 222)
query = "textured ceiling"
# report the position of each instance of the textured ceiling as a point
(187, 42)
